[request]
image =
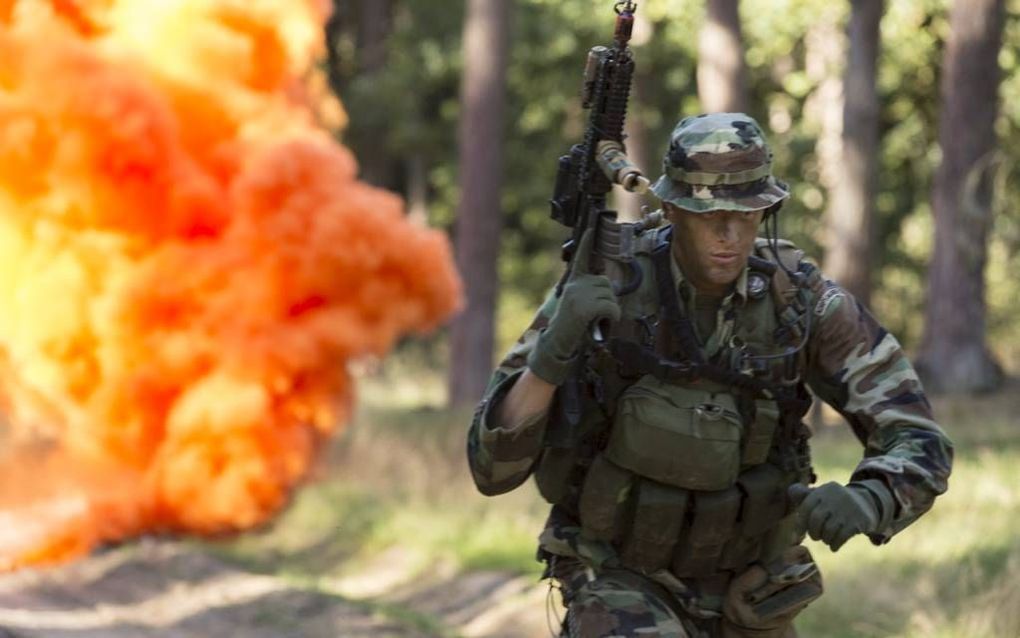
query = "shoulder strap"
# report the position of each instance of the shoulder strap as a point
(787, 257)
(790, 295)
(679, 324)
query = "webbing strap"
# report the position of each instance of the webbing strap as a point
(679, 325)
(635, 359)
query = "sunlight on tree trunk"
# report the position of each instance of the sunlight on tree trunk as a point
(480, 138)
(722, 72)
(849, 216)
(629, 204)
(824, 61)
(417, 189)
(954, 356)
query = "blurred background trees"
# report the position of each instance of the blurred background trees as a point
(953, 353)
(849, 93)
(850, 210)
(480, 170)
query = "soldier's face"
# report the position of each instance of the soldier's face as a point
(712, 248)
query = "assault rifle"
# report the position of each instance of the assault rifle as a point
(585, 176)
(587, 173)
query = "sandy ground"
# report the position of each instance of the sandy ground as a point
(165, 589)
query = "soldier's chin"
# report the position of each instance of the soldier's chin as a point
(722, 276)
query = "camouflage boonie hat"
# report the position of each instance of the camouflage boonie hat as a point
(719, 161)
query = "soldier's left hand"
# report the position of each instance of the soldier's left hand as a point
(834, 513)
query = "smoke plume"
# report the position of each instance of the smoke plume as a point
(187, 264)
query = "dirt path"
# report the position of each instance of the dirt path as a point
(165, 589)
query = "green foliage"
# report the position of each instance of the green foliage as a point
(410, 108)
(394, 495)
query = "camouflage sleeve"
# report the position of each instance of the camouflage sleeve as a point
(502, 455)
(859, 368)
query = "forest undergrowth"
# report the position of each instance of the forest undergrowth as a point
(393, 503)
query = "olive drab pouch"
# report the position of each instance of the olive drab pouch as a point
(604, 499)
(573, 422)
(765, 501)
(680, 436)
(712, 524)
(552, 475)
(760, 432)
(658, 517)
(764, 506)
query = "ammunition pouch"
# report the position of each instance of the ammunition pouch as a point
(686, 465)
(572, 437)
(713, 523)
(761, 430)
(679, 436)
(605, 493)
(691, 533)
(656, 525)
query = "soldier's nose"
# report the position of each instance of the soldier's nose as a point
(726, 231)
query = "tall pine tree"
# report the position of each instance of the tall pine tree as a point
(954, 356)
(480, 148)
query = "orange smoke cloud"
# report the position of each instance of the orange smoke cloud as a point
(187, 262)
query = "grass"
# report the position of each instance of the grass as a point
(956, 572)
(395, 488)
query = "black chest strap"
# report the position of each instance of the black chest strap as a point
(680, 327)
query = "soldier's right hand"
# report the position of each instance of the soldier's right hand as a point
(586, 298)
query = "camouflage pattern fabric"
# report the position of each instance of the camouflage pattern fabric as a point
(607, 605)
(501, 461)
(620, 603)
(859, 368)
(719, 161)
(853, 364)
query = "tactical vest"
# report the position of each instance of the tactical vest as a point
(678, 462)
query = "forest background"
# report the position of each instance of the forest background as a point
(897, 125)
(398, 67)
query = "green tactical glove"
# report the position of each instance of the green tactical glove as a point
(585, 299)
(834, 513)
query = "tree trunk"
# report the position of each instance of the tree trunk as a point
(825, 64)
(375, 22)
(954, 356)
(722, 73)
(374, 25)
(417, 189)
(851, 209)
(480, 149)
(629, 204)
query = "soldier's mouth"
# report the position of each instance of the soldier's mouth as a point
(723, 259)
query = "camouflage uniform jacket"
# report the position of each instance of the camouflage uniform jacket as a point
(853, 364)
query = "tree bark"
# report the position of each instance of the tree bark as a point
(480, 148)
(628, 205)
(375, 22)
(851, 208)
(954, 356)
(374, 25)
(417, 189)
(825, 64)
(722, 72)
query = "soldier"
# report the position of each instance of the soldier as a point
(674, 452)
